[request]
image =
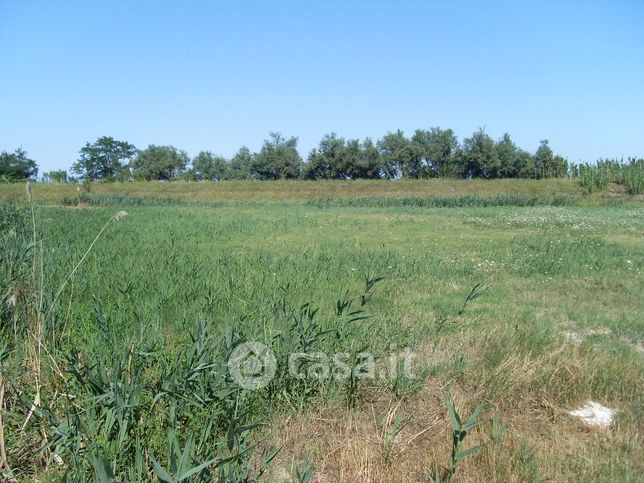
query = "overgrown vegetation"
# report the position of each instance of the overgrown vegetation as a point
(116, 332)
(596, 177)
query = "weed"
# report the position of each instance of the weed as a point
(460, 430)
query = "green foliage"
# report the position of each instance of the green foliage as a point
(513, 162)
(399, 156)
(365, 160)
(87, 187)
(631, 176)
(436, 150)
(478, 156)
(241, 164)
(106, 158)
(56, 176)
(460, 430)
(278, 159)
(17, 166)
(547, 164)
(329, 161)
(205, 166)
(429, 153)
(336, 158)
(159, 163)
(596, 177)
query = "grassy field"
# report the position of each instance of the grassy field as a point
(294, 191)
(123, 340)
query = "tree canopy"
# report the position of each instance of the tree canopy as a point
(278, 159)
(106, 158)
(17, 166)
(207, 166)
(428, 153)
(159, 163)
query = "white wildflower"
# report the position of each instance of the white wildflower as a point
(120, 215)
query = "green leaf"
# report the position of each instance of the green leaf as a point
(183, 462)
(162, 474)
(456, 421)
(472, 420)
(103, 468)
(468, 452)
(196, 470)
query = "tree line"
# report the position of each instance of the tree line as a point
(430, 153)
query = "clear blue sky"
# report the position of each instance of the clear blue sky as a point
(218, 75)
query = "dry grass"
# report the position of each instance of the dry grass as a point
(540, 440)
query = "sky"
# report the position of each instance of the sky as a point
(216, 75)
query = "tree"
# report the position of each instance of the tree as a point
(559, 167)
(508, 156)
(366, 162)
(479, 157)
(278, 159)
(435, 150)
(240, 164)
(329, 160)
(106, 158)
(205, 166)
(543, 160)
(17, 166)
(159, 163)
(399, 156)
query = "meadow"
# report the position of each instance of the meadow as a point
(122, 305)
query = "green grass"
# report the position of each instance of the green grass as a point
(133, 369)
(514, 199)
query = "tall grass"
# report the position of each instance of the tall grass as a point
(135, 408)
(596, 177)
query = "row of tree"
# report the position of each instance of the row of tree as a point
(426, 154)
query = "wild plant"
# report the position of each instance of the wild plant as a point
(305, 471)
(460, 431)
(596, 177)
(392, 424)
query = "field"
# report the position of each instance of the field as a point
(520, 298)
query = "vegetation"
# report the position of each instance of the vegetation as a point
(118, 319)
(596, 177)
(159, 163)
(433, 153)
(106, 158)
(17, 166)
(55, 176)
